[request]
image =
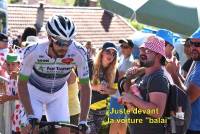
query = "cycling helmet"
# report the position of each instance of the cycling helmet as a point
(61, 27)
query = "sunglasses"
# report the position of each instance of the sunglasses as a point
(61, 43)
(124, 46)
(195, 44)
(108, 52)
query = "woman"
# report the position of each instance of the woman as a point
(104, 81)
(126, 61)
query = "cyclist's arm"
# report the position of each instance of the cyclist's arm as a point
(85, 87)
(25, 72)
(85, 94)
(24, 96)
(85, 91)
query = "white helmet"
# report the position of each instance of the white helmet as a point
(61, 27)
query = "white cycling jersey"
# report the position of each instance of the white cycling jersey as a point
(50, 74)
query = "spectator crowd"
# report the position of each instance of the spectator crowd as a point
(128, 91)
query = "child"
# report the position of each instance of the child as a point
(13, 63)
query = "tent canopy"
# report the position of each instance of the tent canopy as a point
(178, 16)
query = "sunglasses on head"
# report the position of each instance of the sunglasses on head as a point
(61, 43)
(108, 52)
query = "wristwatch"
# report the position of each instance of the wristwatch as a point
(83, 126)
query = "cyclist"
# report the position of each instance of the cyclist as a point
(45, 70)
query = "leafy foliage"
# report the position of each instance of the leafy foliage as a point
(137, 25)
(13, 1)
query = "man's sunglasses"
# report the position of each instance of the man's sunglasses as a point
(61, 43)
(195, 42)
(124, 46)
(195, 45)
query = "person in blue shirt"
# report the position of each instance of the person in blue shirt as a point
(193, 84)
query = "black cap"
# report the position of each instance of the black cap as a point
(109, 45)
(128, 41)
(3, 37)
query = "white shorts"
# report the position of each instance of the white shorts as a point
(56, 109)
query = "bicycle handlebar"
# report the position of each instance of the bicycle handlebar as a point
(46, 127)
(62, 124)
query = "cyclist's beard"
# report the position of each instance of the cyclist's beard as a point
(57, 54)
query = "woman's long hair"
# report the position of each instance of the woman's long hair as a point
(110, 71)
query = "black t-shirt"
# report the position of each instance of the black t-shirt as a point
(157, 83)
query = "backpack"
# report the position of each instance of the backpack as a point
(176, 98)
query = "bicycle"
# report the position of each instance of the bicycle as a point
(50, 127)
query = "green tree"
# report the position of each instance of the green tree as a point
(81, 3)
(58, 2)
(13, 1)
(137, 25)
